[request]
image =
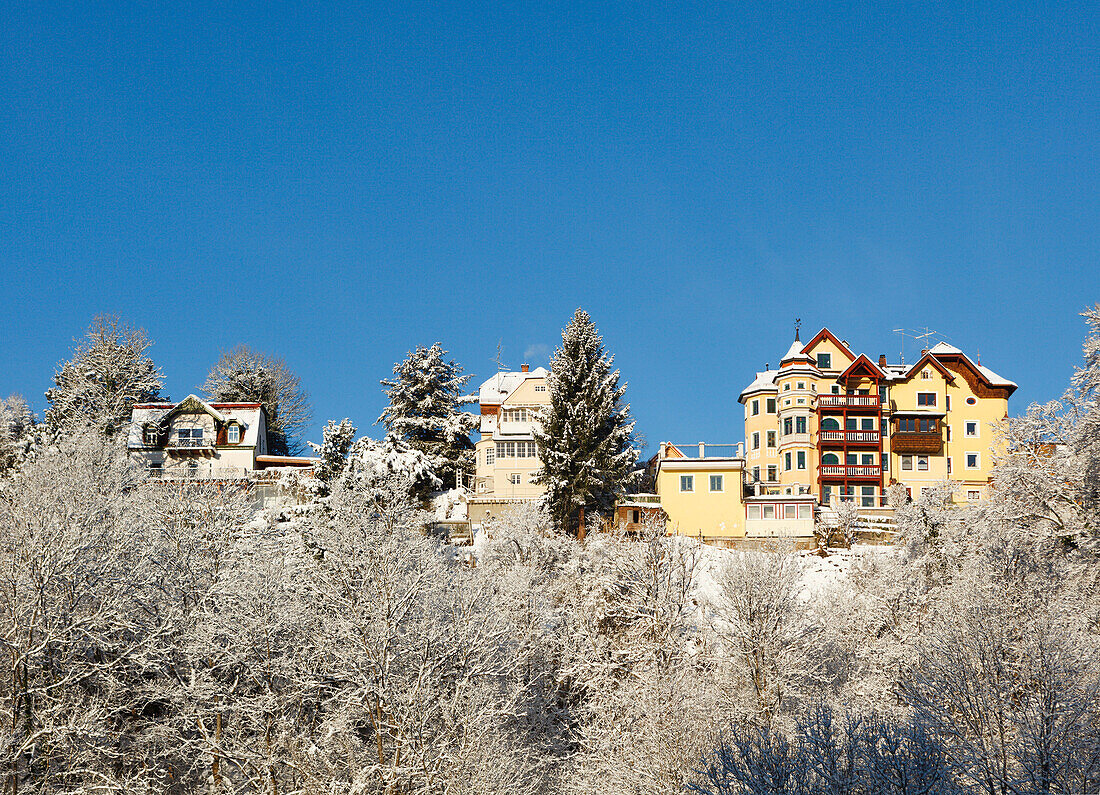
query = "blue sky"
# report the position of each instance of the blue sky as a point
(339, 184)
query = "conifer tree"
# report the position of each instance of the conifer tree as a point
(425, 395)
(108, 374)
(586, 436)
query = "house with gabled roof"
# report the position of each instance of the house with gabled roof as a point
(835, 424)
(196, 439)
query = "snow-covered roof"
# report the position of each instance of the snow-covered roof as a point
(943, 349)
(247, 415)
(795, 354)
(501, 385)
(764, 381)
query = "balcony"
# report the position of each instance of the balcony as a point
(203, 443)
(859, 402)
(198, 473)
(918, 442)
(848, 437)
(850, 471)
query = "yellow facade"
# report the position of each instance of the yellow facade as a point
(702, 496)
(837, 415)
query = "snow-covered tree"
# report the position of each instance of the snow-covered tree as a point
(245, 375)
(372, 464)
(425, 394)
(336, 441)
(585, 434)
(17, 433)
(108, 373)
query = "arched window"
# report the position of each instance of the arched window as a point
(830, 424)
(830, 458)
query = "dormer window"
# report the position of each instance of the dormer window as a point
(233, 433)
(149, 434)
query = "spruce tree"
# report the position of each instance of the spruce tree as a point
(425, 395)
(586, 434)
(108, 374)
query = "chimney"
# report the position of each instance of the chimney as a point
(845, 344)
(882, 360)
(525, 368)
(702, 450)
(923, 351)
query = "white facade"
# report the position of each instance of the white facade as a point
(194, 439)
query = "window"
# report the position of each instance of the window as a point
(771, 439)
(826, 494)
(973, 496)
(801, 384)
(756, 440)
(882, 393)
(716, 483)
(754, 512)
(972, 430)
(192, 469)
(824, 361)
(787, 387)
(830, 424)
(635, 516)
(867, 424)
(907, 462)
(540, 388)
(769, 511)
(922, 463)
(948, 465)
(830, 459)
(790, 511)
(867, 498)
(770, 405)
(799, 424)
(927, 426)
(885, 425)
(948, 427)
(233, 434)
(947, 403)
(836, 389)
(972, 461)
(926, 398)
(687, 482)
(514, 479)
(755, 407)
(755, 475)
(801, 459)
(490, 455)
(971, 401)
(149, 434)
(885, 462)
(788, 425)
(926, 375)
(190, 437)
(813, 387)
(773, 473)
(805, 511)
(787, 461)
(801, 401)
(156, 469)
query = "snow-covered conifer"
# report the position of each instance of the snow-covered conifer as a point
(425, 394)
(17, 433)
(336, 441)
(108, 374)
(243, 374)
(371, 464)
(585, 437)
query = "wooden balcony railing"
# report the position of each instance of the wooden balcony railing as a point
(907, 442)
(870, 437)
(847, 401)
(851, 471)
(176, 443)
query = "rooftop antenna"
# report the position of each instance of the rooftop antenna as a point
(500, 355)
(916, 335)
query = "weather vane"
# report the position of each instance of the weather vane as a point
(797, 326)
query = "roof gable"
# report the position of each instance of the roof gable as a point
(825, 334)
(862, 367)
(928, 358)
(192, 404)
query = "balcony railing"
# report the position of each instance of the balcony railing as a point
(916, 442)
(851, 471)
(848, 401)
(871, 437)
(189, 444)
(198, 473)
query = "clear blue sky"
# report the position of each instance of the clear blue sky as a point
(338, 184)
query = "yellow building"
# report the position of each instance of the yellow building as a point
(701, 490)
(506, 457)
(833, 423)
